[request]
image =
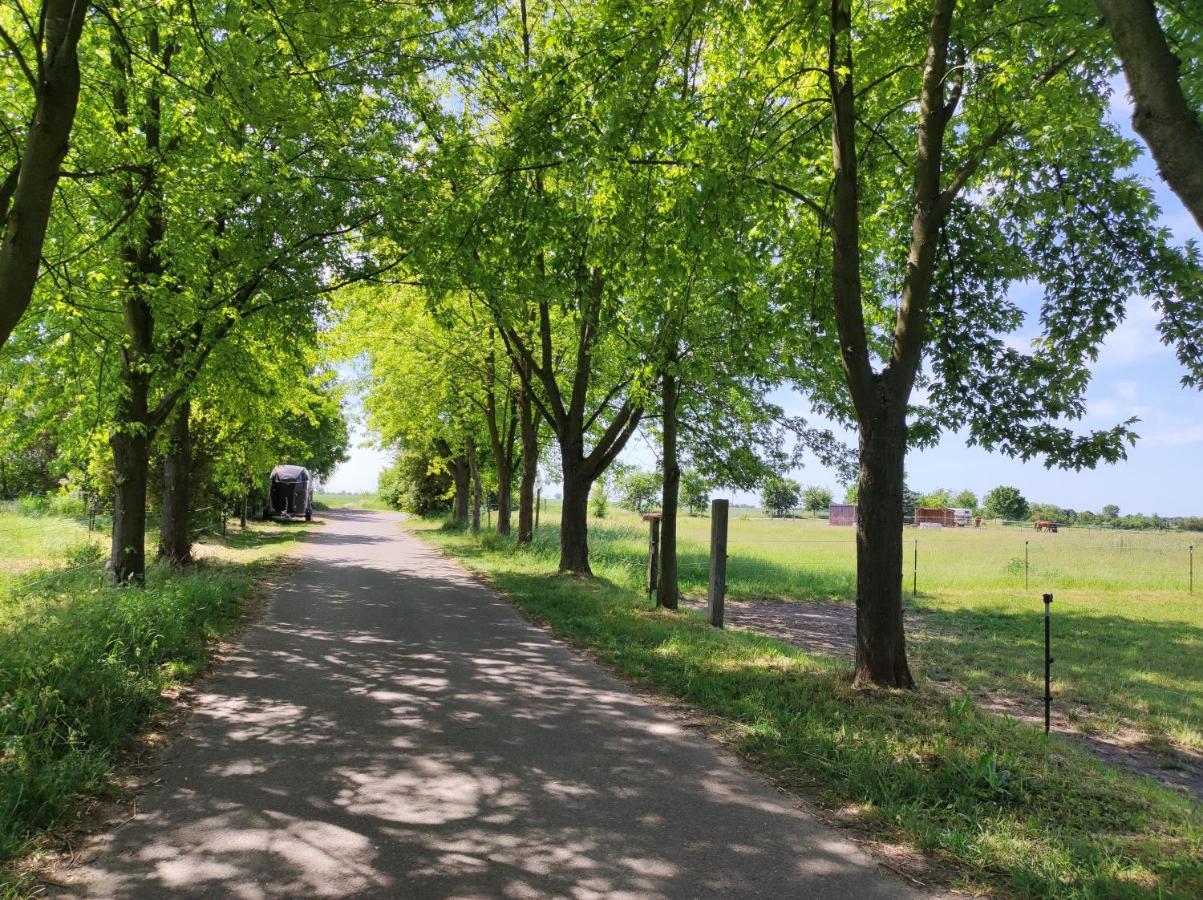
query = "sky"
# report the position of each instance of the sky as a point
(1136, 375)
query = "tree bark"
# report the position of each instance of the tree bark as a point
(1161, 113)
(667, 591)
(476, 488)
(175, 527)
(880, 637)
(529, 427)
(505, 497)
(574, 523)
(462, 476)
(29, 191)
(131, 461)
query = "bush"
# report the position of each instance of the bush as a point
(416, 483)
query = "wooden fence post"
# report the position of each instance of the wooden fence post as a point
(653, 553)
(718, 560)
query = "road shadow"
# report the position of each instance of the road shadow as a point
(395, 729)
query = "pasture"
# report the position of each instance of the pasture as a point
(1127, 636)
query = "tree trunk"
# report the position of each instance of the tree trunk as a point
(175, 531)
(530, 469)
(1161, 113)
(505, 497)
(476, 489)
(880, 638)
(131, 460)
(28, 191)
(246, 502)
(667, 590)
(574, 523)
(462, 478)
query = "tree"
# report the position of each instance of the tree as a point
(1005, 502)
(48, 60)
(947, 180)
(940, 498)
(599, 499)
(1110, 512)
(779, 495)
(695, 491)
(1166, 88)
(816, 498)
(638, 490)
(965, 500)
(416, 484)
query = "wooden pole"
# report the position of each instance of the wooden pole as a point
(653, 554)
(718, 561)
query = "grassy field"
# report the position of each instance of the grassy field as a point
(997, 800)
(325, 500)
(1128, 638)
(84, 666)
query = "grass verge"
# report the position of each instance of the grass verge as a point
(84, 667)
(996, 800)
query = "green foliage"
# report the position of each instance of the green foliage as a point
(416, 483)
(639, 490)
(695, 491)
(599, 498)
(780, 496)
(965, 499)
(816, 498)
(1005, 502)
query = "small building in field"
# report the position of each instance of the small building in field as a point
(841, 514)
(933, 516)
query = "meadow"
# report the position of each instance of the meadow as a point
(1128, 636)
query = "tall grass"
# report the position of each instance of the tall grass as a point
(84, 664)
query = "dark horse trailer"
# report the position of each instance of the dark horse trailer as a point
(291, 493)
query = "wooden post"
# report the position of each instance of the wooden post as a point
(718, 560)
(653, 553)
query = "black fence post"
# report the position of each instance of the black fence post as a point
(1048, 666)
(718, 561)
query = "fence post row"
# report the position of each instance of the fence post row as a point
(718, 561)
(1048, 665)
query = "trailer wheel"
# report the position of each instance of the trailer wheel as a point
(309, 515)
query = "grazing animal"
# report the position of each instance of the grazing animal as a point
(1045, 525)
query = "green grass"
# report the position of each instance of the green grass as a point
(1128, 638)
(84, 665)
(323, 500)
(997, 800)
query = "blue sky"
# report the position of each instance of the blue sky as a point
(1135, 376)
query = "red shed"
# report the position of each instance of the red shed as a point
(841, 514)
(945, 518)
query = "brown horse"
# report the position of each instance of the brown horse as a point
(1045, 525)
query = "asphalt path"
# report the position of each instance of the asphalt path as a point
(392, 728)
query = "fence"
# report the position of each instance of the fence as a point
(791, 558)
(40, 540)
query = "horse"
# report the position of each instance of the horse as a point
(1046, 525)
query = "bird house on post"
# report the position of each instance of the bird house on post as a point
(653, 551)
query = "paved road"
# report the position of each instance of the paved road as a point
(393, 729)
